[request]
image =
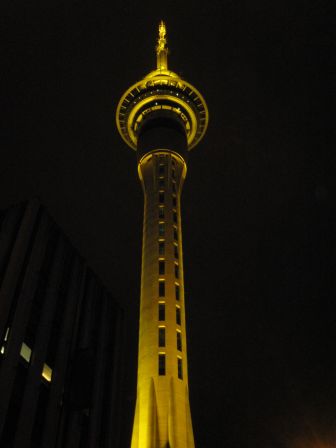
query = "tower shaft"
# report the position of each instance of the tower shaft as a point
(162, 117)
(162, 417)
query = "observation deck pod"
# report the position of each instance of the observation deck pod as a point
(163, 95)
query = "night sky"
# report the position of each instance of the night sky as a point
(257, 206)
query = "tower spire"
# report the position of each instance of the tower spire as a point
(161, 48)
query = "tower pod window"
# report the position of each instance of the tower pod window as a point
(161, 247)
(161, 229)
(179, 369)
(161, 212)
(162, 289)
(179, 341)
(177, 292)
(161, 197)
(162, 337)
(162, 312)
(161, 267)
(162, 364)
(178, 315)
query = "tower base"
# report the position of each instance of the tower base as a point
(171, 429)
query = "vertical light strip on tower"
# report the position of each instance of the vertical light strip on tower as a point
(162, 117)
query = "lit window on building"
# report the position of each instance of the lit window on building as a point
(161, 267)
(162, 289)
(161, 212)
(25, 352)
(3, 347)
(47, 372)
(178, 315)
(161, 197)
(162, 337)
(175, 251)
(161, 229)
(162, 312)
(6, 334)
(177, 292)
(179, 341)
(161, 247)
(176, 271)
(179, 369)
(162, 364)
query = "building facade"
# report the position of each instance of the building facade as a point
(162, 117)
(61, 337)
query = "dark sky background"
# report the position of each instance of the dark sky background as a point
(258, 207)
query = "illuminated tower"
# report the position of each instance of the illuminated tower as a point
(162, 117)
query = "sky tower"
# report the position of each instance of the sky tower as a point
(162, 117)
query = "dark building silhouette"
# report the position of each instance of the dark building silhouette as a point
(61, 334)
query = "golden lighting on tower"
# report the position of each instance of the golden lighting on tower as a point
(162, 117)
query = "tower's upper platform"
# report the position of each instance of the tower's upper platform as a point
(162, 94)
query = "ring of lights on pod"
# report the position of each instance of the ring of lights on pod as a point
(162, 90)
